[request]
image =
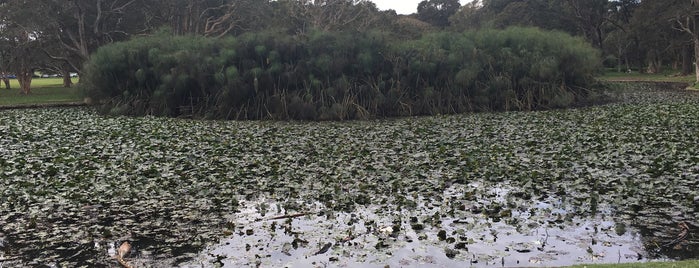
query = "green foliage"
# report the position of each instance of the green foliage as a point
(539, 66)
(173, 75)
(437, 12)
(330, 76)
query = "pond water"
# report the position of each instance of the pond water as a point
(607, 184)
(540, 234)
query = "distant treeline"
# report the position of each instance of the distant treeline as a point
(340, 75)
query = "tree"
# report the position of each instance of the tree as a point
(337, 15)
(590, 17)
(20, 39)
(544, 14)
(619, 40)
(655, 41)
(211, 18)
(437, 12)
(686, 18)
(23, 57)
(468, 17)
(79, 27)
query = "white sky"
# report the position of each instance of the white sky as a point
(402, 6)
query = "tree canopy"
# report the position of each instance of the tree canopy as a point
(437, 12)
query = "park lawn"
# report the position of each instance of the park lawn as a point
(44, 91)
(679, 264)
(668, 76)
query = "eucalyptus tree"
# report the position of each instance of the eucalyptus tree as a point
(469, 16)
(665, 38)
(650, 36)
(545, 14)
(211, 18)
(336, 15)
(79, 27)
(620, 41)
(437, 12)
(685, 15)
(590, 16)
(20, 40)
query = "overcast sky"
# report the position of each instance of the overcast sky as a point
(401, 6)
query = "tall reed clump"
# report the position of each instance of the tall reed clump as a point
(163, 75)
(335, 76)
(527, 68)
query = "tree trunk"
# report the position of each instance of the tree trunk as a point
(67, 82)
(24, 78)
(6, 81)
(696, 57)
(618, 64)
(619, 60)
(695, 37)
(686, 60)
(599, 36)
(654, 64)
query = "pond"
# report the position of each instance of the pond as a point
(605, 184)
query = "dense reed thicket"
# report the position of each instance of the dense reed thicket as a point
(335, 76)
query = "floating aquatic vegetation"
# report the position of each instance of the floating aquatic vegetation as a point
(597, 184)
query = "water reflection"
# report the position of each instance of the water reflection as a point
(544, 233)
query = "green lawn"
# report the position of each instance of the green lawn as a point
(668, 76)
(44, 91)
(680, 264)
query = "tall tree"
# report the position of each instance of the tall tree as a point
(20, 39)
(338, 15)
(437, 12)
(656, 40)
(619, 40)
(686, 18)
(591, 17)
(211, 18)
(469, 16)
(545, 14)
(81, 26)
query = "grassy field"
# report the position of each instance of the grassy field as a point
(667, 76)
(679, 264)
(44, 91)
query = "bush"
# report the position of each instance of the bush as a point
(537, 68)
(331, 76)
(160, 75)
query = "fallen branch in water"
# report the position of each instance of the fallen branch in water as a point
(282, 217)
(324, 249)
(684, 231)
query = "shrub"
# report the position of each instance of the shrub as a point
(159, 75)
(331, 76)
